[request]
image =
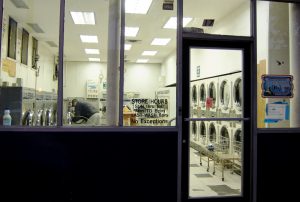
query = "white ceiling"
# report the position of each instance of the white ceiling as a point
(46, 14)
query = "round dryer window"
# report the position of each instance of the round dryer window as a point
(224, 94)
(203, 132)
(238, 93)
(212, 93)
(202, 95)
(194, 94)
(212, 132)
(224, 139)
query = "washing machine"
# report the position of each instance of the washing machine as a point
(225, 96)
(237, 95)
(237, 140)
(212, 96)
(202, 98)
(194, 99)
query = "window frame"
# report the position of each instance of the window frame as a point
(12, 38)
(24, 47)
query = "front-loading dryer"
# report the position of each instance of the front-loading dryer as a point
(237, 95)
(194, 134)
(225, 96)
(224, 138)
(202, 97)
(194, 99)
(213, 133)
(237, 140)
(203, 133)
(212, 97)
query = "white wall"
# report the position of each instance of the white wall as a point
(214, 62)
(236, 23)
(141, 78)
(46, 63)
(168, 68)
(77, 73)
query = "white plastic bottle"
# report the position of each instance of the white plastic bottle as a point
(6, 118)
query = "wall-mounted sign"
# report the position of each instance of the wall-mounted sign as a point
(198, 71)
(277, 111)
(276, 86)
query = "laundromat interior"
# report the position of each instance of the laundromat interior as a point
(100, 57)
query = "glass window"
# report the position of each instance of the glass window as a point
(30, 94)
(150, 63)
(216, 146)
(277, 64)
(12, 38)
(91, 63)
(24, 48)
(225, 17)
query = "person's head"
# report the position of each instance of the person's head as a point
(74, 102)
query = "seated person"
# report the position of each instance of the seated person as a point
(86, 111)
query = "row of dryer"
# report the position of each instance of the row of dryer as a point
(226, 137)
(220, 97)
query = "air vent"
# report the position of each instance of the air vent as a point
(36, 27)
(208, 22)
(19, 4)
(51, 43)
(133, 40)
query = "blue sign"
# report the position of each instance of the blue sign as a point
(275, 86)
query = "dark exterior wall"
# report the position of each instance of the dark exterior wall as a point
(123, 166)
(277, 166)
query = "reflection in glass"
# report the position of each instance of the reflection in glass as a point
(238, 93)
(202, 95)
(212, 93)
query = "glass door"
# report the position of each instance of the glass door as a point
(216, 123)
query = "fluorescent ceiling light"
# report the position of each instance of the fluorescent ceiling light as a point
(150, 53)
(83, 18)
(94, 59)
(160, 41)
(131, 31)
(137, 6)
(88, 39)
(127, 46)
(172, 22)
(142, 60)
(91, 51)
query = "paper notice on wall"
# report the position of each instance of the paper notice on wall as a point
(276, 112)
(9, 66)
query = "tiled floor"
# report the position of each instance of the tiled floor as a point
(203, 183)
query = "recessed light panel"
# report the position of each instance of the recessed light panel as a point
(150, 53)
(137, 6)
(160, 41)
(83, 18)
(94, 59)
(142, 60)
(88, 39)
(91, 51)
(172, 22)
(127, 46)
(131, 31)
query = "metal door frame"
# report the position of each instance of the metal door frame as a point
(220, 42)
